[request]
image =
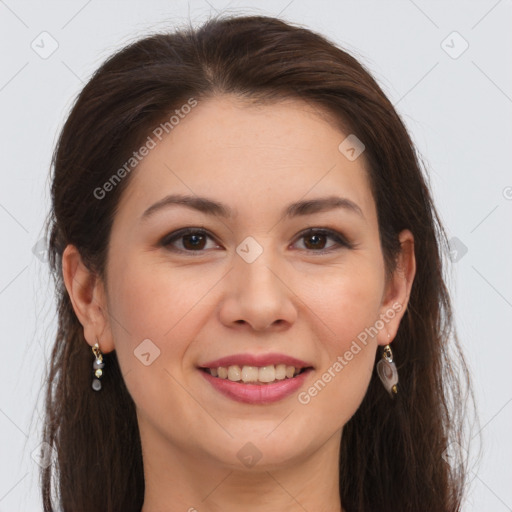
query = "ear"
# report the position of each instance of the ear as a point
(398, 289)
(87, 294)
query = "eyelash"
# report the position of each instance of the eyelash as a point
(337, 237)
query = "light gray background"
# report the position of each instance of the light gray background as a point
(458, 111)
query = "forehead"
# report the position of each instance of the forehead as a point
(252, 157)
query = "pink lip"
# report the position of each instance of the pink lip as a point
(256, 393)
(256, 360)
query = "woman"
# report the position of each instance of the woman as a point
(252, 311)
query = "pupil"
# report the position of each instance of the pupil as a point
(196, 240)
(317, 238)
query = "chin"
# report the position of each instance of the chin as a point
(261, 450)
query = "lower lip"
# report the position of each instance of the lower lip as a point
(256, 393)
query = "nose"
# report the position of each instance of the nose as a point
(257, 295)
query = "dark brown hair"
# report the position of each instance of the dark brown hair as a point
(392, 452)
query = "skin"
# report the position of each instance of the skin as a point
(195, 308)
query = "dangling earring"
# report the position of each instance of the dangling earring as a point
(386, 369)
(97, 366)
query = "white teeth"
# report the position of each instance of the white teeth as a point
(281, 371)
(267, 374)
(250, 374)
(234, 373)
(258, 375)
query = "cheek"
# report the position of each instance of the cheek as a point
(161, 303)
(145, 305)
(151, 298)
(155, 303)
(347, 354)
(347, 301)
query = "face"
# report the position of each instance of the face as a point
(259, 283)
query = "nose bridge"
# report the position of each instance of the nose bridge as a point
(256, 270)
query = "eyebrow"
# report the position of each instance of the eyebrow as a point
(211, 207)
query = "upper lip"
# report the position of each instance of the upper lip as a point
(256, 360)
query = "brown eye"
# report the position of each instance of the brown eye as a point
(186, 240)
(194, 241)
(316, 239)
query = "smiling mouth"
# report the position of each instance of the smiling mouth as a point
(258, 375)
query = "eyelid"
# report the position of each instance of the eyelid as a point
(340, 239)
(167, 240)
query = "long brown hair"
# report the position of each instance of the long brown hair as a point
(393, 452)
